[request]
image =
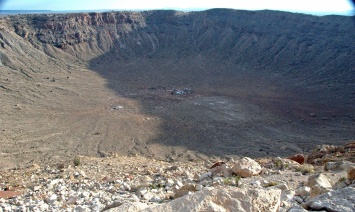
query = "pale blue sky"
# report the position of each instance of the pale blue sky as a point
(308, 6)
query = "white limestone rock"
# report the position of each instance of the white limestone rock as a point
(220, 168)
(51, 199)
(129, 206)
(147, 196)
(282, 186)
(224, 200)
(303, 191)
(287, 195)
(319, 184)
(199, 187)
(170, 182)
(206, 175)
(246, 167)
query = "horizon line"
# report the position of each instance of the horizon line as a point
(318, 13)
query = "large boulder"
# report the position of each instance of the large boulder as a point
(232, 199)
(299, 158)
(338, 165)
(246, 167)
(224, 200)
(129, 207)
(338, 200)
(319, 184)
(319, 154)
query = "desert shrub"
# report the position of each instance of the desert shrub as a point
(232, 181)
(342, 179)
(155, 186)
(305, 169)
(76, 161)
(270, 184)
(279, 164)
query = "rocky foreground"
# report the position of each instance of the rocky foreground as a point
(323, 180)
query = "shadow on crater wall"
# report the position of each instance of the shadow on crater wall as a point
(254, 83)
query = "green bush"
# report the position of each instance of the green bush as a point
(342, 179)
(76, 161)
(270, 184)
(232, 181)
(305, 169)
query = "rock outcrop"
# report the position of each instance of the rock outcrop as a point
(331, 153)
(342, 200)
(338, 165)
(69, 30)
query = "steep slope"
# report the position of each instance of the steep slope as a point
(49, 109)
(264, 83)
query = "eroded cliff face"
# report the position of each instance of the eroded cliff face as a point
(263, 83)
(310, 48)
(99, 31)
